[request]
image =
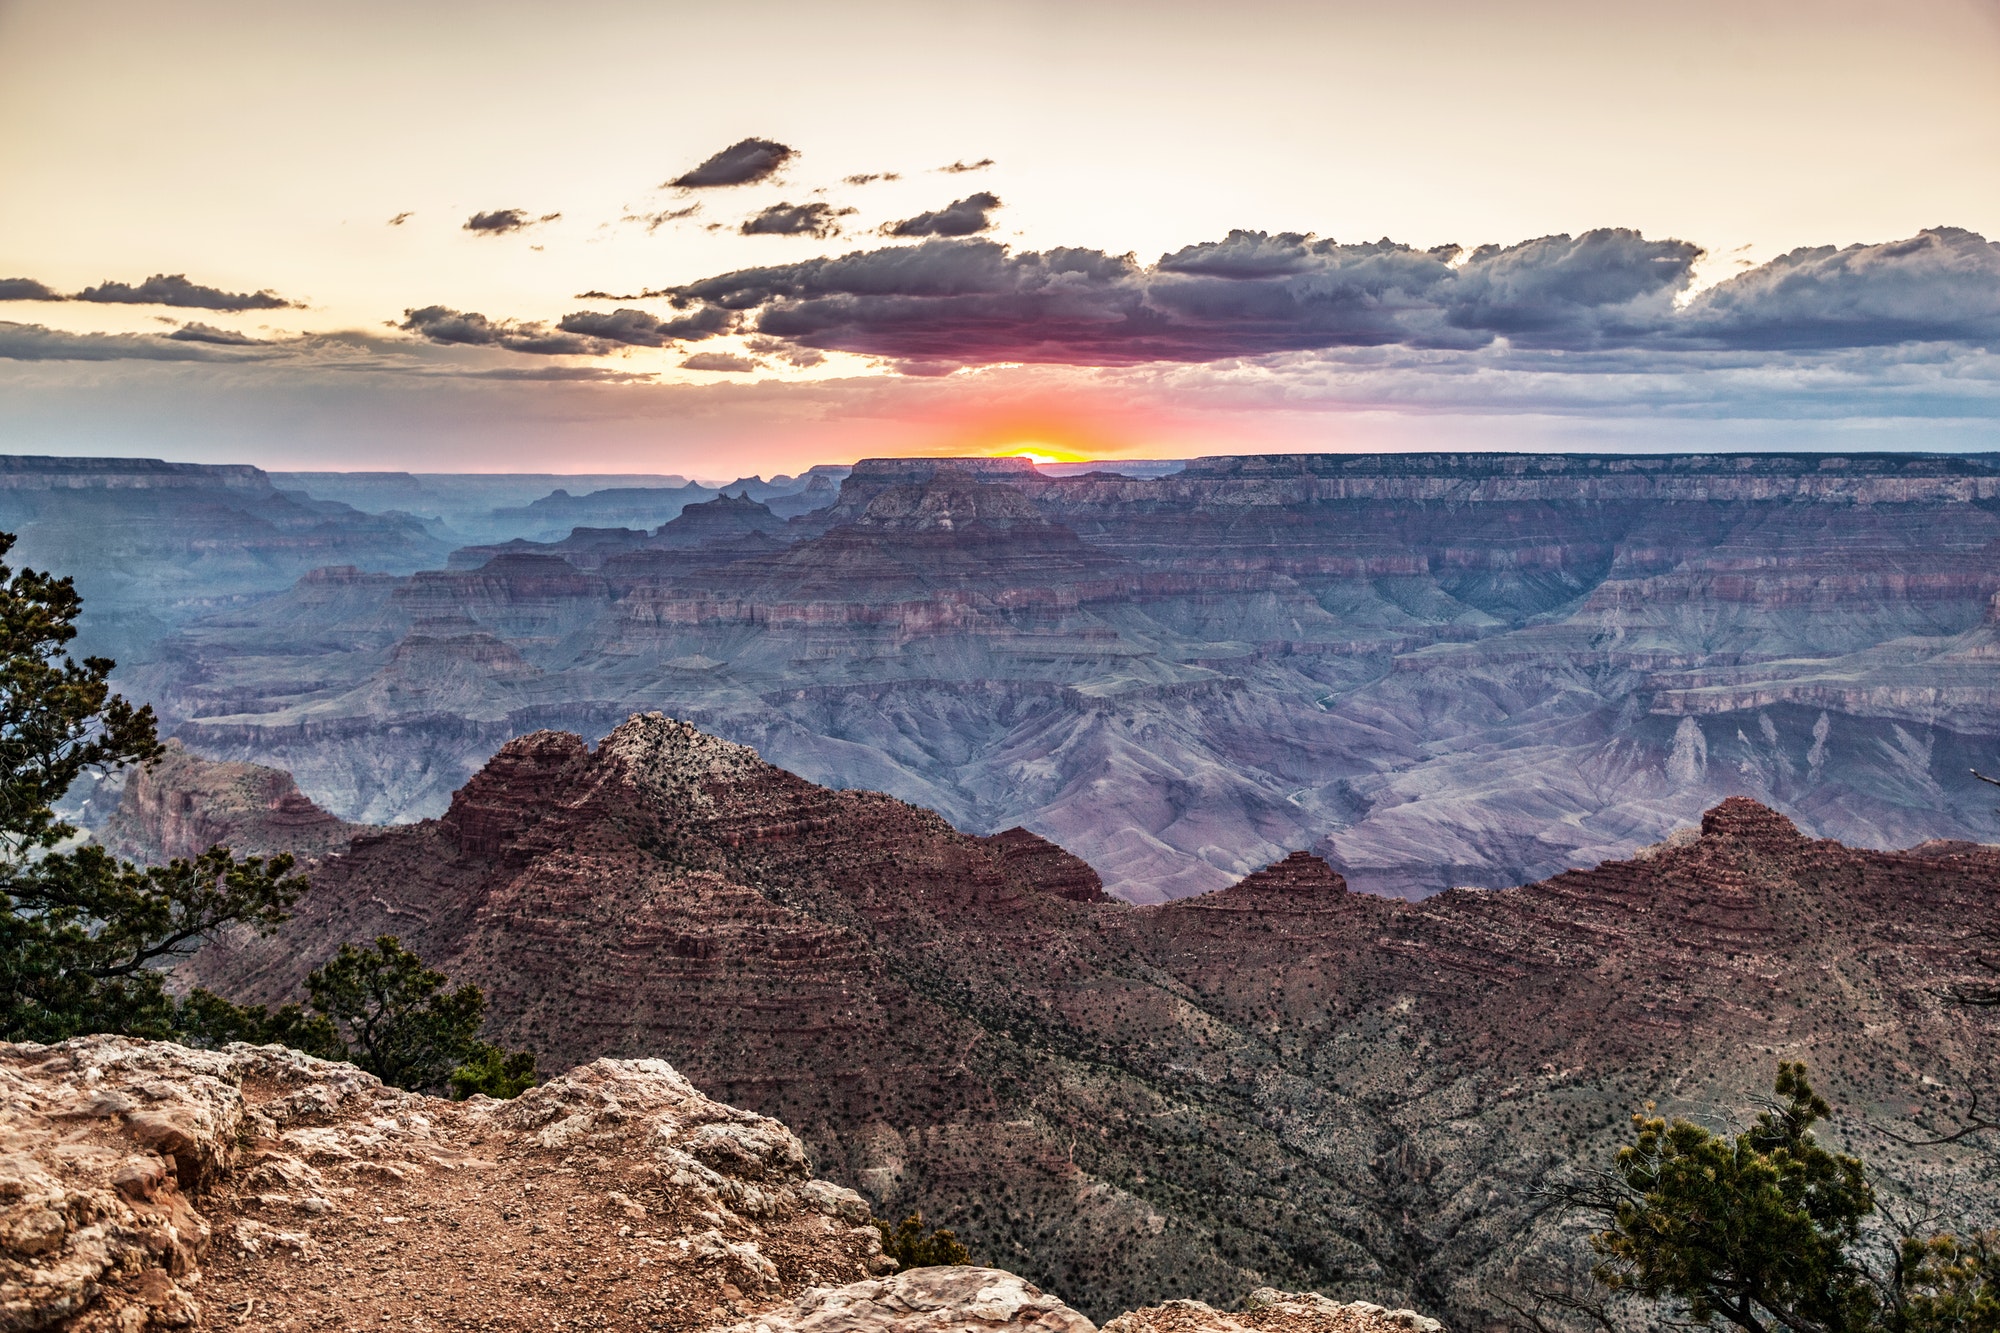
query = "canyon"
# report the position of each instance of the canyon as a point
(1283, 1083)
(1431, 670)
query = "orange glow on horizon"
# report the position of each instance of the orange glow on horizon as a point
(1041, 451)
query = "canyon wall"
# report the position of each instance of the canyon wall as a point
(1433, 670)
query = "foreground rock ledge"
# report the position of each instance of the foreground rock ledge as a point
(987, 1300)
(144, 1186)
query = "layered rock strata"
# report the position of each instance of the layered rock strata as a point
(1436, 670)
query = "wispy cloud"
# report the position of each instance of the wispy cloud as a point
(503, 221)
(814, 219)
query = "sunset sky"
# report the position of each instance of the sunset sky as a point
(444, 236)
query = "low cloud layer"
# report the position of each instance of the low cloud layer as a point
(959, 168)
(965, 217)
(174, 289)
(742, 163)
(503, 221)
(197, 332)
(34, 342)
(964, 302)
(815, 219)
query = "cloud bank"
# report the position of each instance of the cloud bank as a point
(1252, 294)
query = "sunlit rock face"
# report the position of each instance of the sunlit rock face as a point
(1433, 670)
(1282, 1083)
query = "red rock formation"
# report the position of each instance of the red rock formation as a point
(1278, 1082)
(182, 804)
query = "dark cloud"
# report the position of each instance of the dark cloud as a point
(34, 342)
(1612, 284)
(739, 164)
(173, 289)
(207, 333)
(27, 289)
(466, 328)
(973, 301)
(961, 167)
(870, 177)
(502, 221)
(722, 361)
(401, 218)
(815, 219)
(636, 328)
(1941, 285)
(965, 217)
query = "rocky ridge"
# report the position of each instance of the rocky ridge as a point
(1281, 1084)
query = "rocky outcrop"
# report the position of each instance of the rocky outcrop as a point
(925, 1300)
(1279, 1084)
(145, 1186)
(180, 805)
(1267, 1310)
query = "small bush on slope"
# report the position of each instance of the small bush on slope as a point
(1760, 1231)
(383, 1009)
(909, 1245)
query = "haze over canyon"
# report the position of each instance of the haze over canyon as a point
(1433, 670)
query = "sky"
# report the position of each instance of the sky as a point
(718, 240)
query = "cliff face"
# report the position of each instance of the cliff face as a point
(1435, 670)
(1283, 1083)
(181, 805)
